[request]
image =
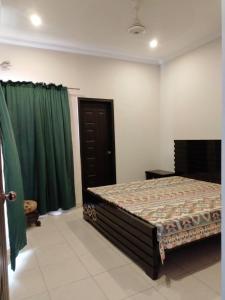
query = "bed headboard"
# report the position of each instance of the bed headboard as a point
(198, 159)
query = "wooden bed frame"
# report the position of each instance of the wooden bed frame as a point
(198, 159)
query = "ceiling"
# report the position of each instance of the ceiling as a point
(99, 27)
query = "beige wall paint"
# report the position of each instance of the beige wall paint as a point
(133, 86)
(191, 99)
(152, 108)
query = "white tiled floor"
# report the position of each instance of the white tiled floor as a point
(67, 259)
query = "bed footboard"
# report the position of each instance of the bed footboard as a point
(136, 238)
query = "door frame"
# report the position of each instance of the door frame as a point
(110, 102)
(5, 285)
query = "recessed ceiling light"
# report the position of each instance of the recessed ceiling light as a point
(153, 43)
(35, 20)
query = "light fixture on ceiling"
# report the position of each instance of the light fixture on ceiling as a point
(136, 28)
(36, 20)
(153, 43)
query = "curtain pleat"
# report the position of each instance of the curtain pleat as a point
(20, 102)
(41, 121)
(13, 182)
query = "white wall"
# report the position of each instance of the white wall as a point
(191, 99)
(152, 108)
(134, 88)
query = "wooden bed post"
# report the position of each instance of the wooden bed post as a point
(135, 237)
(154, 273)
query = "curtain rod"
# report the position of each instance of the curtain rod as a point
(45, 84)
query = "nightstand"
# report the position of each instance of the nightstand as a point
(151, 174)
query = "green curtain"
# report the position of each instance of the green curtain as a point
(40, 118)
(13, 182)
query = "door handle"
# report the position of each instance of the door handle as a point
(109, 152)
(11, 196)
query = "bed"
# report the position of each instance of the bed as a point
(184, 208)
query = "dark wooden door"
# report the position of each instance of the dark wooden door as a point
(4, 294)
(97, 142)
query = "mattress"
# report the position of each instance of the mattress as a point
(182, 209)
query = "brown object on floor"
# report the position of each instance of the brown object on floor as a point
(32, 215)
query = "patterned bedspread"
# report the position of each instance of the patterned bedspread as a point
(182, 209)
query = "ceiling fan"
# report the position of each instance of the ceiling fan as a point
(137, 27)
(5, 65)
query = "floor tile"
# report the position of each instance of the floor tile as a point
(121, 253)
(196, 257)
(44, 296)
(167, 272)
(81, 290)
(25, 285)
(78, 247)
(150, 294)
(122, 282)
(26, 261)
(85, 243)
(103, 259)
(42, 238)
(171, 270)
(70, 215)
(82, 229)
(48, 255)
(63, 227)
(211, 276)
(66, 250)
(47, 225)
(78, 224)
(185, 288)
(67, 271)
